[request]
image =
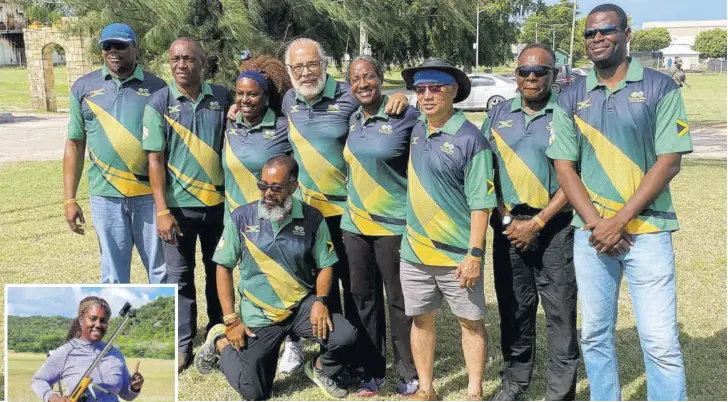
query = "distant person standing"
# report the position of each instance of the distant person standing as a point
(106, 108)
(678, 74)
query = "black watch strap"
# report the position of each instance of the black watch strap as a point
(323, 299)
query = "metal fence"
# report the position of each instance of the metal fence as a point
(717, 65)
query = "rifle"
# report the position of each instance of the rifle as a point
(128, 313)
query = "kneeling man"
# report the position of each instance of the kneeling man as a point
(284, 251)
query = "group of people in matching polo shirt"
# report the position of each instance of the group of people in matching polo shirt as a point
(335, 201)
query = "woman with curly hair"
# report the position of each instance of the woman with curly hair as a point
(110, 379)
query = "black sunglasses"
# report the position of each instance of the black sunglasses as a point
(606, 30)
(539, 71)
(275, 188)
(106, 46)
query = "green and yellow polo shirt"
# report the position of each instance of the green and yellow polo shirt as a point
(450, 174)
(317, 131)
(615, 138)
(376, 155)
(278, 262)
(524, 174)
(246, 150)
(107, 113)
(190, 133)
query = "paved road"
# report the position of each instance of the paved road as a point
(36, 137)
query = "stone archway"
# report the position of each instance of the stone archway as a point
(39, 43)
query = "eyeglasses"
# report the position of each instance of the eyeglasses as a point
(275, 188)
(539, 71)
(106, 46)
(606, 30)
(434, 89)
(366, 77)
(312, 66)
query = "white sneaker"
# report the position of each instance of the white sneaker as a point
(292, 359)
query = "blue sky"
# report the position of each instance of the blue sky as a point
(662, 10)
(63, 300)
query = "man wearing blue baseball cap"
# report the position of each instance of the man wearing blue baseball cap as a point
(106, 108)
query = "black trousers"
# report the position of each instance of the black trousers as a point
(374, 266)
(207, 224)
(520, 277)
(251, 370)
(341, 273)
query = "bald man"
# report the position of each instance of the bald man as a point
(183, 131)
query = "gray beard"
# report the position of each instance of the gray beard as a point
(307, 91)
(277, 214)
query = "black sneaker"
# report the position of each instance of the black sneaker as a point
(329, 386)
(507, 392)
(207, 358)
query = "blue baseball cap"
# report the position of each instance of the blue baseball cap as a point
(117, 32)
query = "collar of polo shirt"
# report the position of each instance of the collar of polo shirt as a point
(381, 114)
(296, 213)
(451, 127)
(635, 72)
(206, 91)
(517, 103)
(269, 120)
(329, 90)
(138, 73)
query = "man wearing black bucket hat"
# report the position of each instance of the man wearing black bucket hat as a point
(450, 190)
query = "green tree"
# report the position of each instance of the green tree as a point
(648, 40)
(551, 25)
(711, 43)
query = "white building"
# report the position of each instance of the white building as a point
(684, 32)
(690, 58)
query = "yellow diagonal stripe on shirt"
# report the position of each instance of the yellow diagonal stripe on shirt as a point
(426, 251)
(205, 156)
(365, 223)
(326, 176)
(125, 182)
(608, 208)
(624, 174)
(432, 218)
(273, 313)
(529, 188)
(232, 205)
(205, 192)
(126, 145)
(369, 191)
(319, 201)
(246, 181)
(289, 291)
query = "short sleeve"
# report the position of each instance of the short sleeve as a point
(153, 138)
(564, 143)
(672, 134)
(323, 248)
(76, 124)
(479, 184)
(229, 251)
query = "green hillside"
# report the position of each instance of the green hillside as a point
(150, 334)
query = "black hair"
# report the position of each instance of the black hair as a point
(83, 306)
(369, 59)
(539, 46)
(286, 162)
(608, 7)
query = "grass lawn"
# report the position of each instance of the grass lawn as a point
(38, 247)
(15, 93)
(158, 377)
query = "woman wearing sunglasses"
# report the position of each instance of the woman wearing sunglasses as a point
(376, 153)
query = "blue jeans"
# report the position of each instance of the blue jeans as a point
(122, 223)
(649, 266)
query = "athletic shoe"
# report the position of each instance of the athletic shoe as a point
(292, 359)
(369, 388)
(407, 388)
(507, 392)
(208, 358)
(327, 385)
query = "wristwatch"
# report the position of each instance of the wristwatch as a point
(476, 252)
(322, 299)
(507, 220)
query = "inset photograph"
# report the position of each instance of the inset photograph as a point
(102, 343)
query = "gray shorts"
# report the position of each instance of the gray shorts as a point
(425, 285)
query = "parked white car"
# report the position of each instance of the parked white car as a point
(487, 91)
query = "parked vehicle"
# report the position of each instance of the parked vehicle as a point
(563, 79)
(487, 91)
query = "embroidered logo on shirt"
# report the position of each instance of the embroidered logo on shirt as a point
(173, 109)
(385, 129)
(414, 140)
(221, 244)
(550, 126)
(352, 127)
(298, 230)
(143, 92)
(96, 92)
(214, 105)
(505, 123)
(585, 104)
(448, 148)
(552, 136)
(252, 228)
(269, 135)
(232, 132)
(294, 108)
(145, 133)
(334, 108)
(637, 97)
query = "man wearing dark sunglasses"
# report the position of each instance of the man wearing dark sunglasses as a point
(532, 235)
(620, 134)
(106, 108)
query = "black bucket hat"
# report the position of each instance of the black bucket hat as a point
(433, 63)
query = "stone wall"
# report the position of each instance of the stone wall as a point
(39, 53)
